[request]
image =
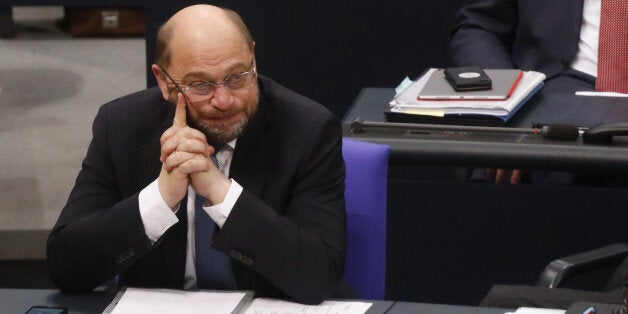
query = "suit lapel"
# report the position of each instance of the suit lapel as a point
(253, 151)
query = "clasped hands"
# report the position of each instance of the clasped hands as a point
(185, 161)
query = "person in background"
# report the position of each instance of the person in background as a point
(558, 38)
(219, 178)
(563, 40)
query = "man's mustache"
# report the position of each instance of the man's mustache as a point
(218, 114)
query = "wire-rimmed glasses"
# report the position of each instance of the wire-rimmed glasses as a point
(200, 91)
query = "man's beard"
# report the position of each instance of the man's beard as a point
(216, 135)
(226, 133)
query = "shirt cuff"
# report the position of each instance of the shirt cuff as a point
(157, 216)
(220, 212)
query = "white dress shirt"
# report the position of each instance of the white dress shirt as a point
(157, 216)
(586, 57)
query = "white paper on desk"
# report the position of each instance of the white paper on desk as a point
(533, 310)
(275, 306)
(136, 300)
(600, 94)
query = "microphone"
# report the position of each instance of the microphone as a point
(554, 132)
(560, 132)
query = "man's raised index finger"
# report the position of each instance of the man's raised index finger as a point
(180, 112)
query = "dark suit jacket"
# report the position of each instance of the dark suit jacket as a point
(286, 233)
(528, 34)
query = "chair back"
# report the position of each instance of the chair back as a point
(365, 198)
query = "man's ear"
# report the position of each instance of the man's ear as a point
(161, 81)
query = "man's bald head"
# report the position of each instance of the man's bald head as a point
(208, 24)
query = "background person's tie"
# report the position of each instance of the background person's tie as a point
(612, 68)
(213, 268)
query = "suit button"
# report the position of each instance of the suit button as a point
(564, 64)
(247, 261)
(241, 257)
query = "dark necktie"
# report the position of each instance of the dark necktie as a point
(213, 268)
(612, 69)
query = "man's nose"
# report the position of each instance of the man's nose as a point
(223, 98)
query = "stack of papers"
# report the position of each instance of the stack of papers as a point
(156, 301)
(146, 300)
(407, 107)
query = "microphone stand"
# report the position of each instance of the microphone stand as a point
(359, 126)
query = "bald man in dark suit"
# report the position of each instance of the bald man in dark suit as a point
(265, 163)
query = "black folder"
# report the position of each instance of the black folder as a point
(449, 119)
(581, 111)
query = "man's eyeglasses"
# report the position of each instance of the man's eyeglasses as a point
(200, 91)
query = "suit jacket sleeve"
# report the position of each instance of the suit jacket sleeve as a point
(484, 34)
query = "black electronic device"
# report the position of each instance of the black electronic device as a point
(38, 309)
(468, 78)
(604, 133)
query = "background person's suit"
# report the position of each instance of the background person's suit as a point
(530, 35)
(288, 224)
(527, 34)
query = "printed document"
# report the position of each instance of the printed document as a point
(144, 300)
(274, 306)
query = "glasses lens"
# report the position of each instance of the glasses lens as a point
(235, 83)
(240, 81)
(202, 89)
